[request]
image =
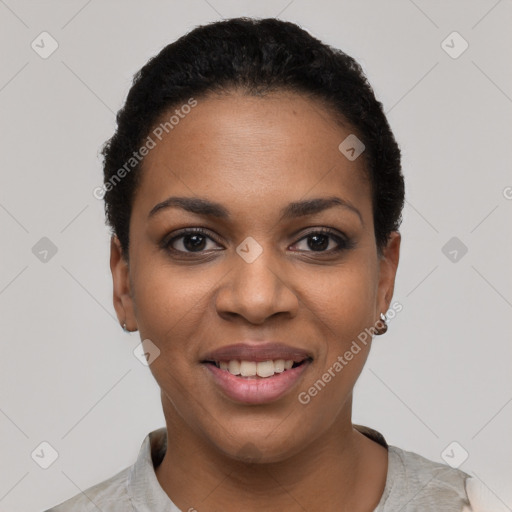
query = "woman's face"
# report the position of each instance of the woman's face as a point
(285, 268)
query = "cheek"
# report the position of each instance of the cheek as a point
(343, 299)
(341, 307)
(169, 298)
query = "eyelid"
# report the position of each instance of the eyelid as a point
(343, 241)
(167, 240)
(324, 231)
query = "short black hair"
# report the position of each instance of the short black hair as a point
(256, 56)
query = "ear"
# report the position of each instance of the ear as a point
(123, 301)
(388, 264)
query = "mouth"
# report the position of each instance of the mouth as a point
(256, 373)
(257, 369)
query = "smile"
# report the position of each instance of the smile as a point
(253, 372)
(262, 369)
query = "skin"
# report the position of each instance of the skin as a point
(255, 155)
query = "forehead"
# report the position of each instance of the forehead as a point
(256, 151)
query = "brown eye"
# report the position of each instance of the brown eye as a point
(323, 240)
(191, 241)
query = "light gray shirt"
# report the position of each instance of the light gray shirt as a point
(413, 484)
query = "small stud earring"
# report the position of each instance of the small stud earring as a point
(381, 325)
(124, 327)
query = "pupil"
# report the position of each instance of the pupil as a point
(320, 246)
(197, 243)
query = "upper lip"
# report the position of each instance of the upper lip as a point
(259, 351)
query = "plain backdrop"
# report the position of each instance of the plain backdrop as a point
(68, 375)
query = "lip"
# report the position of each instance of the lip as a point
(256, 390)
(258, 352)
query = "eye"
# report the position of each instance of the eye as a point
(323, 240)
(192, 240)
(199, 240)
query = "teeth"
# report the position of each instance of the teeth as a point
(265, 369)
(279, 365)
(252, 368)
(247, 368)
(234, 367)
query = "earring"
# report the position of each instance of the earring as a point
(124, 327)
(381, 325)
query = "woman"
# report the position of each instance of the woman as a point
(254, 191)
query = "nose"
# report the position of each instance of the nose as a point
(256, 291)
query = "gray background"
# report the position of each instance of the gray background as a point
(69, 376)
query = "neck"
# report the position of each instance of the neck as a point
(341, 471)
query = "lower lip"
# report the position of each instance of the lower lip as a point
(256, 390)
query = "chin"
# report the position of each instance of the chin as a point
(261, 445)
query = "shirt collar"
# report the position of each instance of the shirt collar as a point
(147, 495)
(143, 487)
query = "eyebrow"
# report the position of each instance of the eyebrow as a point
(205, 207)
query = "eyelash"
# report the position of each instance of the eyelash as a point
(343, 243)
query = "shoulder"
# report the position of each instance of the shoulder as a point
(416, 483)
(420, 471)
(108, 496)
(482, 499)
(133, 486)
